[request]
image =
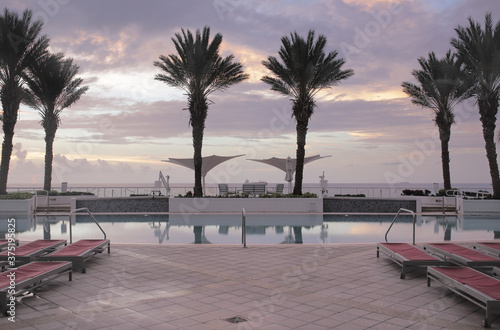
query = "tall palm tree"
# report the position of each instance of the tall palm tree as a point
(20, 45)
(479, 50)
(441, 87)
(52, 87)
(199, 70)
(304, 70)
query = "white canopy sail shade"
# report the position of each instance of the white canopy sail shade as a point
(288, 165)
(208, 163)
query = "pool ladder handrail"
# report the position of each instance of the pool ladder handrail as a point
(393, 220)
(243, 228)
(89, 213)
(47, 200)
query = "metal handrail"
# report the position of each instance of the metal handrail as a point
(393, 220)
(89, 213)
(243, 228)
(47, 200)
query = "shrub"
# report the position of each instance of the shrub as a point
(410, 192)
(351, 195)
(68, 193)
(17, 195)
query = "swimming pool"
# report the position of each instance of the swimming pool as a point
(261, 228)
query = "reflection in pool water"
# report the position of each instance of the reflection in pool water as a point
(261, 228)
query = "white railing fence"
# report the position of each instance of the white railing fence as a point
(212, 190)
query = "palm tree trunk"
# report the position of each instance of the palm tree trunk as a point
(198, 109)
(6, 154)
(444, 136)
(488, 110)
(49, 156)
(10, 108)
(197, 145)
(299, 166)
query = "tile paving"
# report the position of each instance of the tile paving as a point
(271, 286)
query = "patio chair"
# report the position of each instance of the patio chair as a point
(27, 278)
(223, 189)
(409, 257)
(248, 188)
(492, 248)
(79, 252)
(277, 190)
(477, 287)
(32, 250)
(462, 255)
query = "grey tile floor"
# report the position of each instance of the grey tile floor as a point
(270, 287)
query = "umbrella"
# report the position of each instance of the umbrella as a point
(289, 169)
(208, 163)
(282, 164)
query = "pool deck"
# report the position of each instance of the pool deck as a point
(270, 286)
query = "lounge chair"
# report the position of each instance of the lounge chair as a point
(31, 251)
(409, 256)
(493, 248)
(477, 287)
(254, 188)
(79, 252)
(27, 278)
(4, 243)
(462, 255)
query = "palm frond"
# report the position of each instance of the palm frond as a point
(304, 70)
(198, 68)
(52, 86)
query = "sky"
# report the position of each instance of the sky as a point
(128, 122)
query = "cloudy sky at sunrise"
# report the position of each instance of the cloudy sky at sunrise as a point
(127, 122)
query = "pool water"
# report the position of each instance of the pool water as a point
(261, 229)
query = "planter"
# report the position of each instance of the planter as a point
(123, 204)
(254, 205)
(18, 206)
(371, 205)
(481, 207)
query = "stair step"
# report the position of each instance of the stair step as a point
(438, 209)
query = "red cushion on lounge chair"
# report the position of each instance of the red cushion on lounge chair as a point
(27, 249)
(464, 252)
(28, 271)
(78, 248)
(477, 280)
(408, 251)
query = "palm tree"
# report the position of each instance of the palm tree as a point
(20, 45)
(199, 70)
(304, 71)
(52, 87)
(479, 50)
(440, 88)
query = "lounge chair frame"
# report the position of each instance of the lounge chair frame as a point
(488, 248)
(25, 258)
(481, 299)
(28, 285)
(460, 259)
(408, 264)
(78, 261)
